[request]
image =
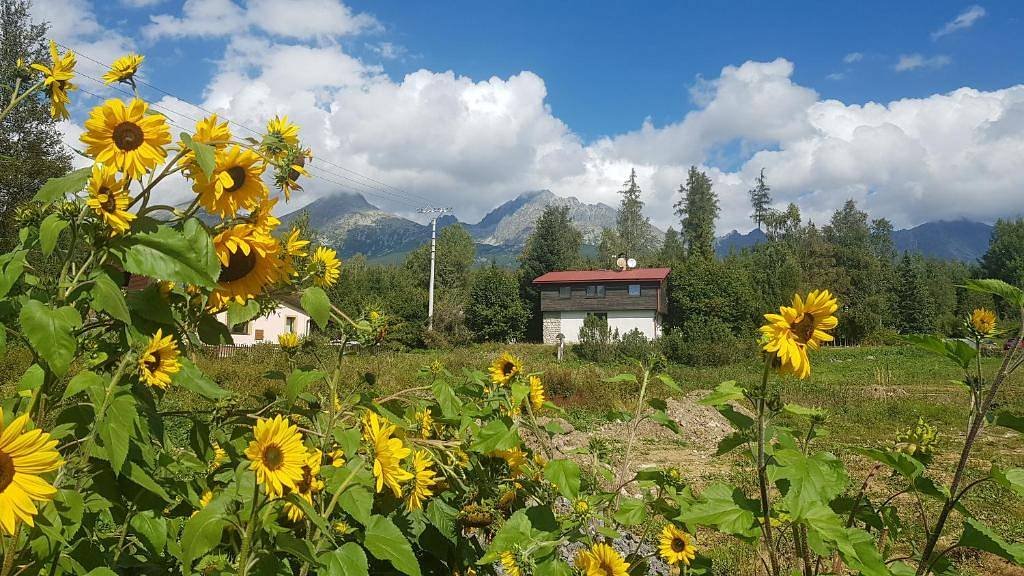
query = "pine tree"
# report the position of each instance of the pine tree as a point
(912, 302)
(698, 209)
(760, 199)
(881, 239)
(633, 228)
(31, 150)
(671, 248)
(1005, 256)
(554, 245)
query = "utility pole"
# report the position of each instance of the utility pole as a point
(433, 250)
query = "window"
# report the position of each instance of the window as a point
(634, 289)
(289, 323)
(242, 328)
(595, 291)
(564, 291)
(259, 335)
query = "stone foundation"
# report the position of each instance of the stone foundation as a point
(552, 327)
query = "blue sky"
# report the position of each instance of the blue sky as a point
(571, 95)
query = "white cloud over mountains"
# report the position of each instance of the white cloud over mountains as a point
(474, 143)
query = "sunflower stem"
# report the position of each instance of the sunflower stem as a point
(17, 98)
(250, 526)
(634, 427)
(762, 470)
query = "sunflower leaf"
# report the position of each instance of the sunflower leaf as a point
(49, 232)
(349, 560)
(192, 378)
(980, 537)
(185, 256)
(49, 331)
(725, 508)
(315, 302)
(107, 297)
(56, 188)
(565, 475)
(205, 154)
(386, 542)
(725, 392)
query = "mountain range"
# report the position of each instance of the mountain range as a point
(351, 224)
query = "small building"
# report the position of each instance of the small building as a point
(287, 317)
(626, 299)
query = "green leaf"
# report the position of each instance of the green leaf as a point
(49, 232)
(205, 156)
(386, 542)
(49, 331)
(516, 529)
(101, 572)
(192, 378)
(565, 475)
(632, 511)
(725, 392)
(451, 406)
(805, 411)
(13, 264)
(186, 257)
(978, 536)
(669, 382)
(298, 381)
(203, 532)
(31, 380)
(553, 567)
(725, 508)
(241, 313)
(349, 560)
(315, 302)
(152, 530)
(117, 428)
(213, 332)
(1012, 479)
(663, 419)
(56, 188)
(495, 436)
(301, 548)
(3, 339)
(357, 502)
(730, 443)
(1010, 293)
(82, 381)
(907, 466)
(442, 516)
(138, 475)
(1008, 420)
(107, 297)
(813, 480)
(959, 352)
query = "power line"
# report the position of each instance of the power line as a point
(394, 192)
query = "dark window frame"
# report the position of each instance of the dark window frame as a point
(595, 291)
(565, 292)
(639, 290)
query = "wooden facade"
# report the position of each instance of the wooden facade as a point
(653, 296)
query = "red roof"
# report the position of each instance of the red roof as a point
(634, 275)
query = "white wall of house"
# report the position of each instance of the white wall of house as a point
(266, 329)
(569, 324)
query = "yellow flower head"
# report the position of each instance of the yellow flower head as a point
(515, 458)
(236, 183)
(294, 245)
(24, 457)
(204, 501)
(536, 393)
(581, 506)
(293, 166)
(159, 361)
(210, 131)
(262, 216)
(983, 321)
(509, 564)
(307, 486)
(341, 528)
(676, 546)
(123, 69)
(796, 328)
(220, 456)
(280, 135)
(126, 136)
(426, 421)
(504, 368)
(326, 267)
(57, 80)
(109, 199)
(248, 264)
(337, 457)
(601, 560)
(388, 453)
(422, 480)
(277, 455)
(288, 340)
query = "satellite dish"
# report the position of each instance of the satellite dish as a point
(621, 262)
(631, 262)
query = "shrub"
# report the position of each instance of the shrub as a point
(704, 342)
(634, 346)
(596, 341)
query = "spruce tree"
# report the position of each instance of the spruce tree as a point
(672, 250)
(698, 209)
(554, 245)
(633, 228)
(912, 302)
(1005, 256)
(31, 150)
(760, 200)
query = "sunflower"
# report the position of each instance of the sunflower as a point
(337, 457)
(601, 560)
(515, 458)
(287, 174)
(536, 393)
(509, 564)
(109, 199)
(262, 216)
(24, 456)
(124, 69)
(983, 321)
(57, 80)
(248, 263)
(159, 361)
(220, 456)
(204, 501)
(388, 453)
(280, 135)
(277, 455)
(326, 268)
(288, 340)
(210, 131)
(676, 546)
(504, 368)
(789, 333)
(309, 485)
(126, 136)
(422, 481)
(426, 421)
(236, 183)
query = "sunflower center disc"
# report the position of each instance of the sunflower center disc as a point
(306, 483)
(6, 471)
(678, 545)
(154, 361)
(110, 204)
(128, 136)
(239, 265)
(507, 368)
(804, 329)
(237, 174)
(273, 457)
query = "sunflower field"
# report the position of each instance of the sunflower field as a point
(453, 475)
